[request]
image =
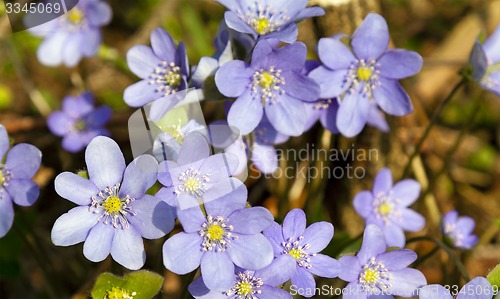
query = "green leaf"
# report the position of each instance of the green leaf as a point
(494, 276)
(146, 283)
(136, 285)
(83, 173)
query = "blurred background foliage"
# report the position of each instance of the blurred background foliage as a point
(459, 165)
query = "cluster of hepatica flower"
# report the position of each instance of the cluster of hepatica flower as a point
(240, 251)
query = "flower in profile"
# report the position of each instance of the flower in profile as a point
(196, 176)
(373, 271)
(262, 284)
(79, 121)
(168, 144)
(227, 235)
(478, 288)
(387, 207)
(17, 168)
(370, 73)
(228, 43)
(325, 110)
(485, 62)
(458, 231)
(273, 83)
(267, 18)
(303, 244)
(114, 212)
(73, 35)
(163, 68)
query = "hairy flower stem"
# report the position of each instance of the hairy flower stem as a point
(318, 184)
(451, 153)
(433, 121)
(454, 258)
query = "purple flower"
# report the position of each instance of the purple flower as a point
(387, 207)
(196, 175)
(16, 172)
(263, 154)
(113, 213)
(72, 36)
(325, 110)
(227, 235)
(79, 121)
(303, 244)
(478, 288)
(373, 272)
(367, 75)
(459, 230)
(485, 62)
(261, 284)
(272, 83)
(163, 68)
(268, 18)
(226, 44)
(168, 144)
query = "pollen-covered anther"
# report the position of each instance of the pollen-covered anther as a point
(268, 84)
(75, 16)
(363, 72)
(299, 252)
(119, 293)
(168, 76)
(192, 182)
(386, 208)
(264, 19)
(5, 177)
(114, 209)
(217, 234)
(322, 104)
(246, 286)
(175, 131)
(375, 277)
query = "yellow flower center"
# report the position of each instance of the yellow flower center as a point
(371, 276)
(117, 293)
(215, 232)
(266, 80)
(364, 73)
(76, 16)
(113, 204)
(385, 209)
(176, 132)
(244, 288)
(1, 177)
(261, 26)
(191, 185)
(297, 254)
(173, 78)
(80, 125)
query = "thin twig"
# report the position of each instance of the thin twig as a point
(433, 121)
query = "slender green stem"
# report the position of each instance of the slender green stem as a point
(187, 282)
(454, 258)
(433, 121)
(424, 258)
